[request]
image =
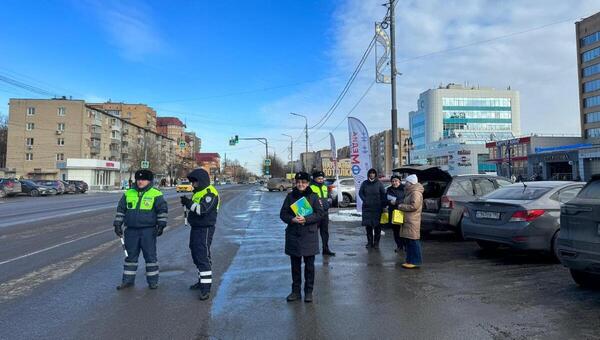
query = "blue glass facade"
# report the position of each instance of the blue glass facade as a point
(591, 86)
(476, 118)
(592, 133)
(591, 101)
(591, 70)
(590, 39)
(590, 55)
(417, 130)
(592, 117)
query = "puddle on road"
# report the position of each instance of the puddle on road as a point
(171, 272)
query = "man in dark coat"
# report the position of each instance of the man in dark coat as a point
(301, 236)
(372, 194)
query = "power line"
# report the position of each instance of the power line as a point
(26, 86)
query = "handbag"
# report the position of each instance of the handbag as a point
(397, 216)
(385, 218)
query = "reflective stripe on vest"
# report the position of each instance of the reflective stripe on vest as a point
(321, 192)
(146, 202)
(200, 194)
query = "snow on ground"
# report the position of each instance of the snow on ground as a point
(350, 215)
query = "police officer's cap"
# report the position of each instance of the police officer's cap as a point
(144, 174)
(302, 176)
(317, 174)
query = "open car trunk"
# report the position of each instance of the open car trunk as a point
(435, 181)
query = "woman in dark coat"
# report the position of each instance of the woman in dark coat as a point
(372, 194)
(395, 196)
(302, 237)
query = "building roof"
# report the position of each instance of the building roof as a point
(207, 157)
(166, 121)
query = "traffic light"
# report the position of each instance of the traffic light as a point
(237, 139)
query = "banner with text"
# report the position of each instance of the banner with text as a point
(360, 154)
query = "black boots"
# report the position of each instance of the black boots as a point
(328, 252)
(204, 296)
(153, 285)
(195, 286)
(376, 240)
(308, 297)
(369, 240)
(124, 285)
(294, 295)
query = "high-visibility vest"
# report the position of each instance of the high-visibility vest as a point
(145, 202)
(197, 197)
(321, 190)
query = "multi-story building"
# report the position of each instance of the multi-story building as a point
(588, 65)
(471, 113)
(60, 138)
(209, 161)
(137, 114)
(194, 142)
(381, 150)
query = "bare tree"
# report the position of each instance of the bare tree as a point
(151, 154)
(278, 167)
(3, 139)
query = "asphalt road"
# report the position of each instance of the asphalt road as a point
(58, 277)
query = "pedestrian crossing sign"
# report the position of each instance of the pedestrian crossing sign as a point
(145, 165)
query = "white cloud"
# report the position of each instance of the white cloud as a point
(541, 64)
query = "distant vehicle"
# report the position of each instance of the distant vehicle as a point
(579, 237)
(80, 186)
(348, 190)
(9, 187)
(445, 195)
(70, 188)
(522, 215)
(222, 183)
(280, 184)
(56, 185)
(184, 185)
(33, 189)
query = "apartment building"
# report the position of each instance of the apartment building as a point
(381, 150)
(67, 139)
(137, 114)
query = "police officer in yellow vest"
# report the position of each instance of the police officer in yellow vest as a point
(144, 212)
(202, 217)
(320, 189)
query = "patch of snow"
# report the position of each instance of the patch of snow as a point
(350, 215)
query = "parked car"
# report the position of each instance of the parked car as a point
(445, 195)
(70, 188)
(9, 187)
(579, 237)
(522, 215)
(80, 186)
(280, 184)
(348, 190)
(184, 185)
(56, 185)
(33, 189)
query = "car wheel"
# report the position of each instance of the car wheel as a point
(270, 190)
(281, 188)
(585, 279)
(459, 232)
(554, 246)
(34, 193)
(2, 193)
(346, 200)
(487, 245)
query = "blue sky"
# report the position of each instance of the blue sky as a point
(239, 67)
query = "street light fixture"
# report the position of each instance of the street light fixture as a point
(305, 135)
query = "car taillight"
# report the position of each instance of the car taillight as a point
(447, 202)
(526, 215)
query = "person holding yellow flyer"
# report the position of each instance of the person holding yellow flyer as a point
(395, 196)
(410, 232)
(302, 211)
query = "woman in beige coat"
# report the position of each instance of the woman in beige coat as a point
(410, 231)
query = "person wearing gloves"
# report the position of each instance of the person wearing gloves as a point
(202, 217)
(301, 237)
(372, 194)
(320, 189)
(144, 212)
(410, 231)
(395, 196)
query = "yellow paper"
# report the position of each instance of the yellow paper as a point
(397, 217)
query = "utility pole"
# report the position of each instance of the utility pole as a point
(291, 152)
(304, 167)
(395, 162)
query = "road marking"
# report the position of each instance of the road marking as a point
(54, 246)
(23, 285)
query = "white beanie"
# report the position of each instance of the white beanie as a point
(412, 179)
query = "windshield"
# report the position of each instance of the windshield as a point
(518, 193)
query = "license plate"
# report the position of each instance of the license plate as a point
(491, 215)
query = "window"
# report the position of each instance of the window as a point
(62, 111)
(591, 86)
(60, 141)
(518, 193)
(60, 127)
(28, 156)
(461, 188)
(591, 190)
(502, 183)
(115, 134)
(590, 39)
(30, 111)
(591, 101)
(484, 186)
(590, 55)
(592, 117)
(30, 126)
(592, 133)
(29, 141)
(568, 194)
(60, 156)
(591, 70)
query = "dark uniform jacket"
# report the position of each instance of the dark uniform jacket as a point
(398, 193)
(204, 213)
(302, 239)
(372, 194)
(134, 217)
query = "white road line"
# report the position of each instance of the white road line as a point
(55, 246)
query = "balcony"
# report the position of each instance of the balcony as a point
(95, 149)
(115, 153)
(96, 135)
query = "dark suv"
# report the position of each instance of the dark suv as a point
(9, 187)
(579, 238)
(445, 195)
(80, 186)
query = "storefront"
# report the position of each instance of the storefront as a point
(456, 158)
(98, 174)
(589, 162)
(556, 166)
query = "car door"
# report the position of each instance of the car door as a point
(580, 218)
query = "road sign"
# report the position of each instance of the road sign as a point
(145, 164)
(182, 145)
(267, 162)
(267, 171)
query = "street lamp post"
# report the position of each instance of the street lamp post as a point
(262, 140)
(408, 145)
(291, 152)
(305, 136)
